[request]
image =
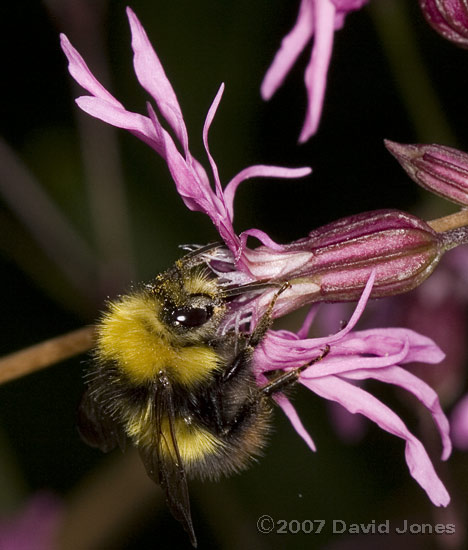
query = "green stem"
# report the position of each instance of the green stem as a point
(399, 41)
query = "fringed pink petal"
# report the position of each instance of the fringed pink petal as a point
(152, 77)
(291, 46)
(293, 417)
(316, 72)
(357, 400)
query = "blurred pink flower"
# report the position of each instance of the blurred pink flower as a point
(35, 527)
(322, 18)
(445, 298)
(459, 423)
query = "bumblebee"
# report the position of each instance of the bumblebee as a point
(181, 389)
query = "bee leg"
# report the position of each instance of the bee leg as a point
(290, 377)
(275, 386)
(265, 321)
(255, 338)
(192, 258)
(214, 411)
(238, 421)
(240, 361)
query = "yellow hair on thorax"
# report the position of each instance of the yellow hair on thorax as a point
(131, 334)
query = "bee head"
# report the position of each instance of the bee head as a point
(191, 302)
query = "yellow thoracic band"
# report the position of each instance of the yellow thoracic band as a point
(132, 335)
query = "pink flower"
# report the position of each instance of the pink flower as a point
(445, 298)
(356, 356)
(322, 17)
(190, 177)
(384, 252)
(332, 263)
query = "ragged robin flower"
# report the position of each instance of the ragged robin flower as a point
(374, 254)
(333, 263)
(374, 354)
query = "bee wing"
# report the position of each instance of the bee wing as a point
(96, 427)
(163, 462)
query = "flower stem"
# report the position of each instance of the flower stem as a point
(447, 223)
(46, 353)
(455, 237)
(400, 41)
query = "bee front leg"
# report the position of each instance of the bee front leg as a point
(266, 319)
(275, 386)
(244, 359)
(290, 377)
(255, 338)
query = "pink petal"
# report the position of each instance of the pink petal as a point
(316, 72)
(422, 391)
(196, 194)
(291, 46)
(259, 171)
(188, 185)
(293, 417)
(139, 125)
(158, 129)
(356, 400)
(358, 311)
(343, 365)
(280, 351)
(265, 239)
(206, 127)
(153, 79)
(81, 73)
(388, 340)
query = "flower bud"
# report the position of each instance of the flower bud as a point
(335, 262)
(449, 18)
(402, 249)
(439, 169)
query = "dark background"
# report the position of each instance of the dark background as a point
(372, 94)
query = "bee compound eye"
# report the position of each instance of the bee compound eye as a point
(191, 317)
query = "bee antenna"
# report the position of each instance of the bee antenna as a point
(249, 287)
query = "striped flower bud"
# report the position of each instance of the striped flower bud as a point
(439, 169)
(449, 18)
(402, 249)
